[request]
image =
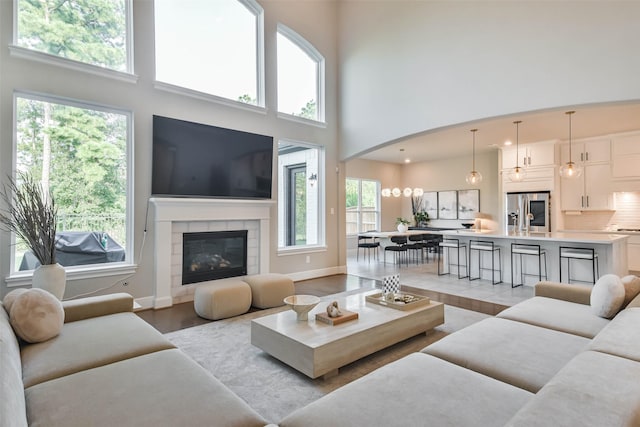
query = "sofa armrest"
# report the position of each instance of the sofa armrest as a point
(580, 294)
(102, 305)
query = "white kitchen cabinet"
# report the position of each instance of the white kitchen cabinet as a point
(633, 253)
(587, 152)
(529, 155)
(591, 191)
(626, 156)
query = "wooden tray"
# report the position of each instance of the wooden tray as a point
(346, 316)
(413, 300)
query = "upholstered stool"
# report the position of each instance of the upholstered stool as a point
(220, 299)
(270, 289)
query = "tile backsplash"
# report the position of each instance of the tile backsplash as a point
(626, 215)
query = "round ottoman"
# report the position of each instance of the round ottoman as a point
(270, 289)
(222, 298)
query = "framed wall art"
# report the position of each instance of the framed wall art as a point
(430, 204)
(447, 204)
(468, 203)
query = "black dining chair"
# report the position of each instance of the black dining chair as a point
(399, 248)
(368, 244)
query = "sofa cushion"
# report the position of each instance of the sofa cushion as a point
(36, 315)
(607, 296)
(631, 285)
(621, 337)
(556, 314)
(12, 405)
(519, 354)
(90, 343)
(418, 389)
(164, 388)
(594, 389)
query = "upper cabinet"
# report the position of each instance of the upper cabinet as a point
(626, 156)
(591, 191)
(529, 155)
(595, 151)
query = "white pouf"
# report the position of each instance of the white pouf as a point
(270, 289)
(220, 299)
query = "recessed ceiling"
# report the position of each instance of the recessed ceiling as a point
(456, 141)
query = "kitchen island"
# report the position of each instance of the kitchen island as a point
(611, 250)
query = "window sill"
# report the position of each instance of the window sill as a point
(297, 250)
(302, 120)
(23, 278)
(168, 87)
(32, 55)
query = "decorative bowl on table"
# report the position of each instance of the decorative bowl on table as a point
(302, 304)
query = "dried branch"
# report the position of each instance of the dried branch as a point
(31, 214)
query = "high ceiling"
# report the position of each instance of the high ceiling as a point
(456, 141)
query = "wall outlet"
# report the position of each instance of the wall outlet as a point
(308, 259)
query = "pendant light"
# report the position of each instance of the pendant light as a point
(474, 177)
(517, 174)
(570, 169)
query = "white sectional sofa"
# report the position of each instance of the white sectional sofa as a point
(548, 361)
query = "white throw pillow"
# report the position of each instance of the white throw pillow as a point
(607, 296)
(631, 285)
(36, 315)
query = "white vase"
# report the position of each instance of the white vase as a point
(51, 278)
(402, 228)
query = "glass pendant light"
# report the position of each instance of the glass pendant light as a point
(517, 174)
(570, 169)
(474, 177)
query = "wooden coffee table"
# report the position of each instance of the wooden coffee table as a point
(317, 349)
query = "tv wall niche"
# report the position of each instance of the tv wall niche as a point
(197, 160)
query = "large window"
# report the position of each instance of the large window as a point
(363, 205)
(95, 32)
(81, 153)
(211, 46)
(300, 220)
(300, 76)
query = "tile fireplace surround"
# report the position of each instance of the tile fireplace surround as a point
(174, 216)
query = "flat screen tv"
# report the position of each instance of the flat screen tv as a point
(198, 160)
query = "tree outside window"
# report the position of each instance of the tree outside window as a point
(89, 31)
(80, 153)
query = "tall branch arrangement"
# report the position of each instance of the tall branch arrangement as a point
(32, 215)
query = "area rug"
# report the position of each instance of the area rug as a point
(269, 386)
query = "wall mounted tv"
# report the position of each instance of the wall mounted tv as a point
(197, 160)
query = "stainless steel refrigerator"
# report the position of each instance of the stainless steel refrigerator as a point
(528, 212)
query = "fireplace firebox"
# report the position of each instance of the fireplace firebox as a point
(213, 255)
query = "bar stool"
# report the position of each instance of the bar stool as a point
(586, 254)
(485, 246)
(530, 250)
(449, 244)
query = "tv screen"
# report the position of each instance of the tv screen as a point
(197, 160)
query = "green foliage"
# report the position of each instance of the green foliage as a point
(91, 31)
(301, 208)
(401, 220)
(351, 190)
(247, 99)
(309, 111)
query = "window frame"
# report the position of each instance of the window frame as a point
(359, 211)
(128, 75)
(257, 10)
(128, 266)
(316, 56)
(283, 209)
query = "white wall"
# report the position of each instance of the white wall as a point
(411, 66)
(315, 21)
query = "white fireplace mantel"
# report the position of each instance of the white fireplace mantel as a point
(167, 211)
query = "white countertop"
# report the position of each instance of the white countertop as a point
(573, 237)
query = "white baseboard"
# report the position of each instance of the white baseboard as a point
(313, 274)
(143, 303)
